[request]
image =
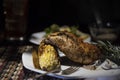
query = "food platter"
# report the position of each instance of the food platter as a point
(106, 68)
(38, 36)
(80, 73)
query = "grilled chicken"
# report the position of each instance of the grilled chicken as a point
(73, 47)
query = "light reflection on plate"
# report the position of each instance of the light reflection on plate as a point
(81, 73)
(37, 37)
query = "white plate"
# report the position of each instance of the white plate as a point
(81, 73)
(38, 36)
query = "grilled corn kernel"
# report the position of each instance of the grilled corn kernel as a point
(49, 59)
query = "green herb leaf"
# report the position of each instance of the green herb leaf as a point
(110, 51)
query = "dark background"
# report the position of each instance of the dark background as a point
(43, 13)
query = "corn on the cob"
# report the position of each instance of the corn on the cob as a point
(35, 59)
(48, 58)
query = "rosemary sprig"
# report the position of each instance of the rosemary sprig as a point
(110, 51)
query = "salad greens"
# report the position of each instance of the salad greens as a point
(56, 28)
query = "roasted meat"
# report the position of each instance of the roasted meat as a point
(73, 47)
